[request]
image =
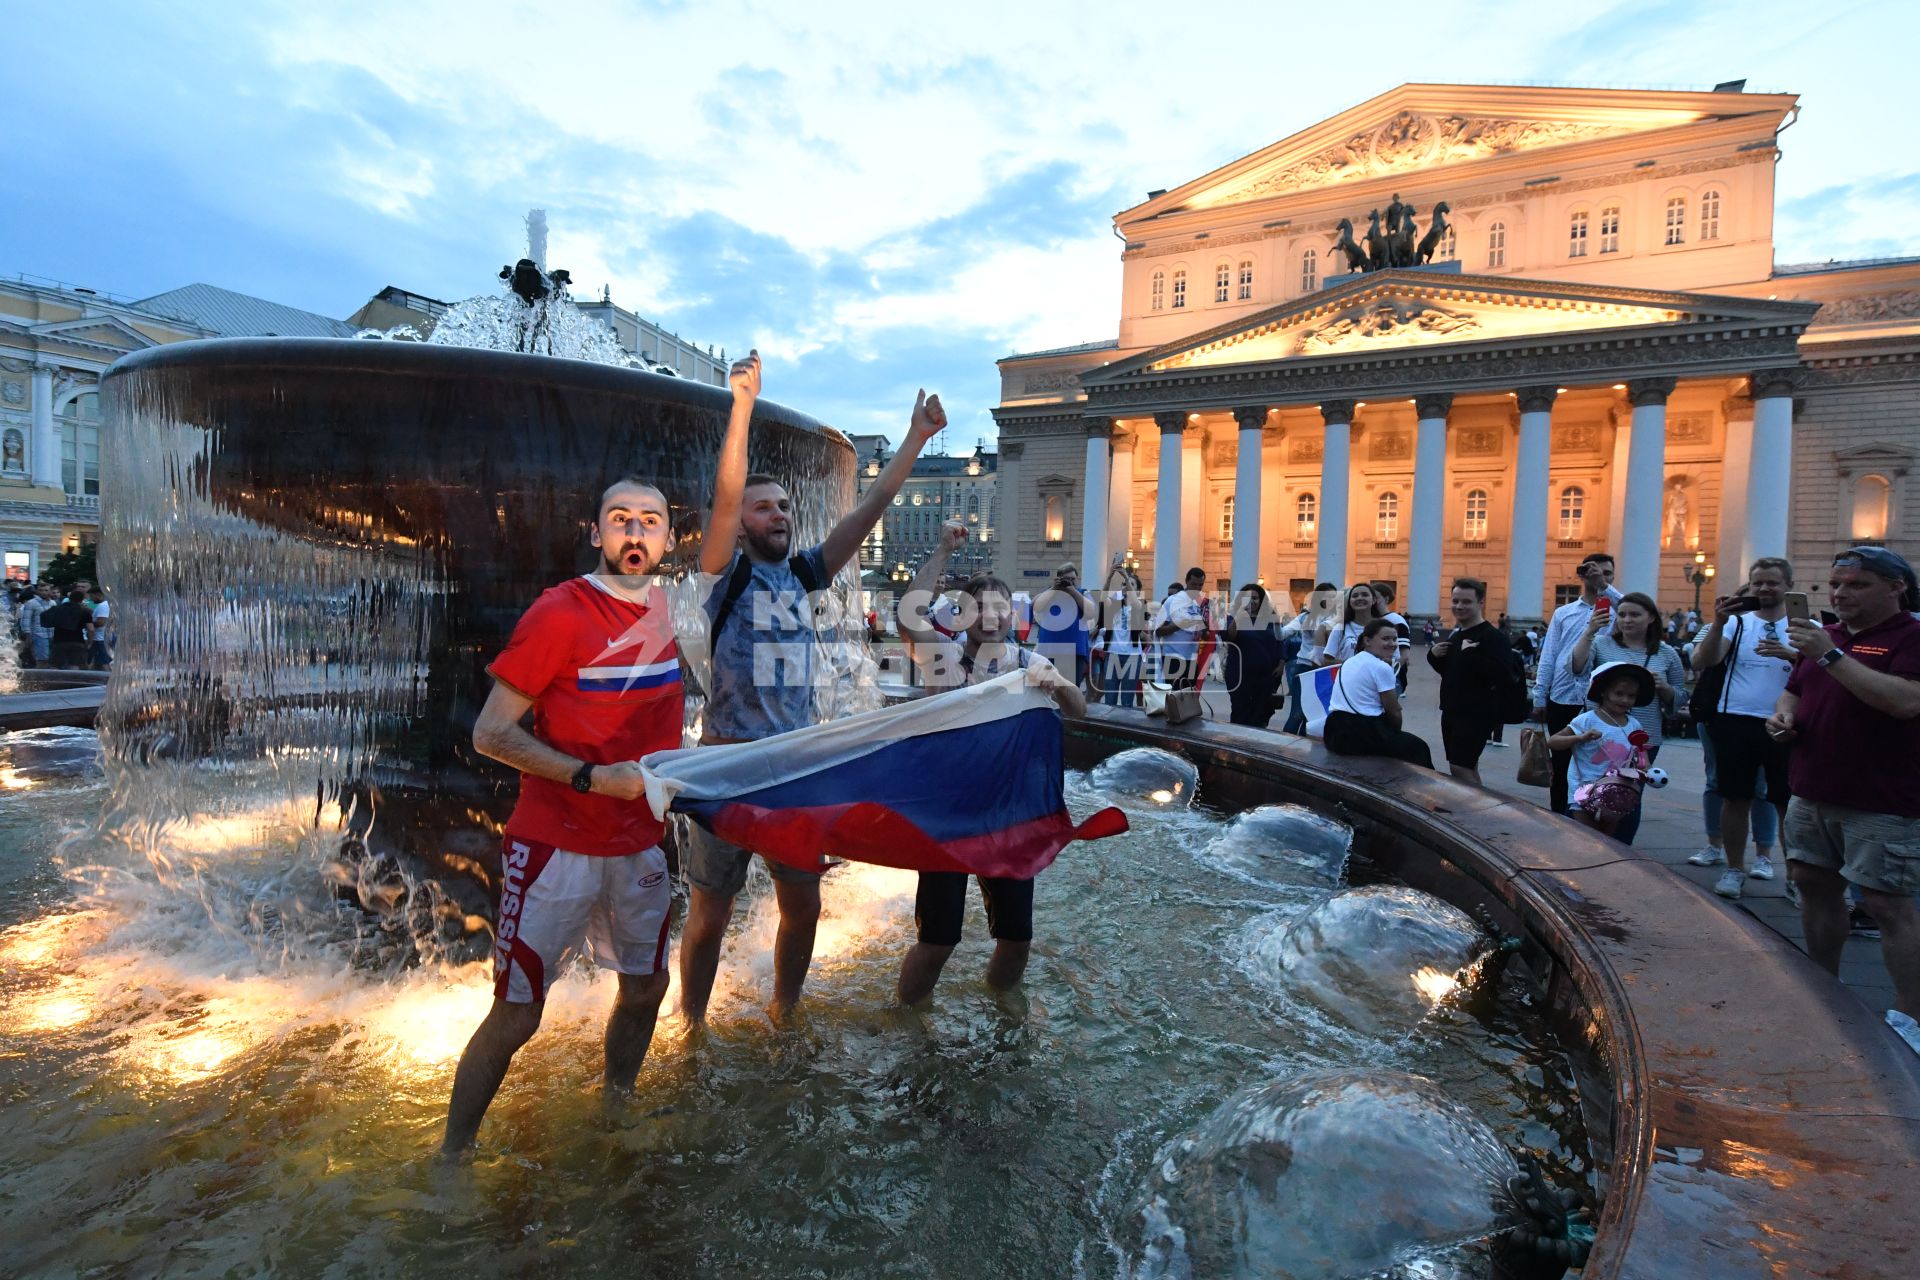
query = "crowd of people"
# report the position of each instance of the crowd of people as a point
(68, 628)
(1809, 724)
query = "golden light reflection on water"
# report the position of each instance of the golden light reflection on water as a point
(14, 780)
(1435, 984)
(66, 1006)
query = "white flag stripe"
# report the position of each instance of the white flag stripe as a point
(628, 673)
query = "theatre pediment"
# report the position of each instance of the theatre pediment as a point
(104, 331)
(1391, 311)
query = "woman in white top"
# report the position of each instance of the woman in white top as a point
(1340, 638)
(1363, 716)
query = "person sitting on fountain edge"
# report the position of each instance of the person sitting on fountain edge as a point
(765, 661)
(981, 653)
(596, 662)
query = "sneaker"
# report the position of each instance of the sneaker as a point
(1729, 883)
(1711, 856)
(1862, 925)
(1762, 868)
(1793, 894)
(1904, 1027)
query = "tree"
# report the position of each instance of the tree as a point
(70, 566)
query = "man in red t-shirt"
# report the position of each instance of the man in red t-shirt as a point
(595, 661)
(1852, 709)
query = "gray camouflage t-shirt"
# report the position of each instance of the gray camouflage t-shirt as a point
(764, 662)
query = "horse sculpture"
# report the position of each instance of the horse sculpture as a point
(1400, 244)
(1376, 243)
(1431, 241)
(1356, 256)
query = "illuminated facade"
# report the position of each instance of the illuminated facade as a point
(1598, 352)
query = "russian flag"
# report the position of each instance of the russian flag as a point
(1316, 696)
(967, 781)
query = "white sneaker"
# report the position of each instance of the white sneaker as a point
(1708, 857)
(1729, 883)
(1762, 868)
(1904, 1027)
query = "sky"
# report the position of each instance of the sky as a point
(877, 197)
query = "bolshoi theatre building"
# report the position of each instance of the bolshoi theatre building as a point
(1476, 330)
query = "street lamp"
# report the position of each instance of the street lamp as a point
(1699, 573)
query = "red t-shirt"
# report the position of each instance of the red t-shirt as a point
(1847, 753)
(604, 675)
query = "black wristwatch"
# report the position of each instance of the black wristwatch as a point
(1831, 656)
(583, 779)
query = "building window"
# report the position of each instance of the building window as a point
(1872, 505)
(1226, 519)
(1449, 245)
(1159, 290)
(1610, 229)
(1056, 524)
(1474, 527)
(1677, 220)
(1573, 512)
(1710, 214)
(1222, 282)
(1246, 279)
(1309, 271)
(973, 509)
(1577, 234)
(1386, 520)
(1179, 290)
(1497, 245)
(1306, 510)
(80, 458)
(916, 498)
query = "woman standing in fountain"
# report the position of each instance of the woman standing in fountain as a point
(982, 652)
(595, 660)
(765, 662)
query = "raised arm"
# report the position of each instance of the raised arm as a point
(729, 482)
(1885, 691)
(1582, 652)
(923, 592)
(1710, 644)
(928, 420)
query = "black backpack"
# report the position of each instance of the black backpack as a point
(737, 583)
(1516, 698)
(1703, 704)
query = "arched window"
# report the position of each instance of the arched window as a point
(1573, 512)
(1497, 245)
(1386, 520)
(1710, 214)
(917, 496)
(1056, 524)
(1179, 290)
(1474, 527)
(1246, 279)
(1872, 504)
(1577, 234)
(85, 407)
(973, 509)
(1309, 271)
(1306, 511)
(1610, 229)
(1449, 245)
(1677, 220)
(1222, 282)
(1226, 519)
(1159, 290)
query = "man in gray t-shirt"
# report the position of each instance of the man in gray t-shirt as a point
(765, 652)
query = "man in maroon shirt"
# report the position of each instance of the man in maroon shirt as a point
(1852, 708)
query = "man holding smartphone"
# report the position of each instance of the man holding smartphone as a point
(1749, 632)
(1853, 707)
(1558, 694)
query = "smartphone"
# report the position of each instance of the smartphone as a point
(1745, 604)
(1603, 605)
(1797, 607)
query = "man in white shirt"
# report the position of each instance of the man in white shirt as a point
(1183, 624)
(99, 651)
(1750, 633)
(1558, 694)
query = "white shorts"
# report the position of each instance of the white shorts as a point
(552, 900)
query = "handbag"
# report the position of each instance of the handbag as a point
(1536, 762)
(1177, 705)
(1703, 704)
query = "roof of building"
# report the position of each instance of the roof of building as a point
(1105, 345)
(240, 315)
(1821, 268)
(934, 466)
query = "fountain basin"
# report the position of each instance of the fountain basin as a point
(1748, 1116)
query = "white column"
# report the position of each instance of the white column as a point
(1094, 496)
(1735, 469)
(1276, 529)
(1336, 452)
(1527, 532)
(1617, 477)
(1166, 516)
(1770, 473)
(1247, 503)
(46, 441)
(1640, 525)
(1193, 458)
(1007, 496)
(1426, 536)
(1119, 500)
